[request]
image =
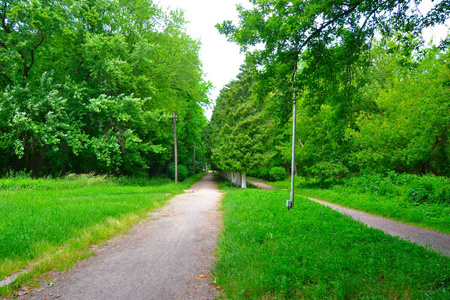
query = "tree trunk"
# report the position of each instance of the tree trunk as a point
(38, 163)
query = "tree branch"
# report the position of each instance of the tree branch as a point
(317, 31)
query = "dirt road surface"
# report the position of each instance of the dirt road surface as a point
(421, 236)
(168, 256)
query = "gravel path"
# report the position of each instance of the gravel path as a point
(421, 236)
(168, 256)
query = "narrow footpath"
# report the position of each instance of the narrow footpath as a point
(414, 234)
(168, 256)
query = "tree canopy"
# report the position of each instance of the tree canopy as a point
(371, 95)
(89, 86)
(240, 127)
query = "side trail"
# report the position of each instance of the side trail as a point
(412, 233)
(168, 256)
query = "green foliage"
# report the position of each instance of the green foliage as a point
(363, 105)
(240, 134)
(429, 189)
(88, 87)
(314, 252)
(262, 173)
(408, 132)
(183, 172)
(277, 174)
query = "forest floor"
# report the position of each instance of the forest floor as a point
(168, 256)
(439, 241)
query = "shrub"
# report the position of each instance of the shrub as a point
(429, 189)
(183, 172)
(277, 174)
(392, 184)
(259, 173)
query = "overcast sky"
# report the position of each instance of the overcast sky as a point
(221, 59)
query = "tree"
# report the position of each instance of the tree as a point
(409, 131)
(322, 49)
(240, 128)
(86, 85)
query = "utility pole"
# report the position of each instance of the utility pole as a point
(290, 203)
(175, 146)
(194, 158)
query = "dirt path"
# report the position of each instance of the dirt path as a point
(168, 256)
(261, 184)
(412, 233)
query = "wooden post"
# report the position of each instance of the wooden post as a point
(175, 146)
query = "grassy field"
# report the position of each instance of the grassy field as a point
(313, 252)
(386, 200)
(48, 224)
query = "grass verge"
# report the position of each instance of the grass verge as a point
(430, 216)
(314, 252)
(426, 215)
(51, 224)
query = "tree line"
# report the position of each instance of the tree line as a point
(90, 86)
(371, 95)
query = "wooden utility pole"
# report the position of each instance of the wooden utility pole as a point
(175, 146)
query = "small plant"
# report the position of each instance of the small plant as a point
(277, 174)
(260, 173)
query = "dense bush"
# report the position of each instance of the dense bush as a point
(412, 188)
(277, 174)
(183, 172)
(379, 184)
(429, 189)
(259, 173)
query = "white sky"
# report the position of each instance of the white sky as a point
(221, 59)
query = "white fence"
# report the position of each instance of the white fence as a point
(237, 179)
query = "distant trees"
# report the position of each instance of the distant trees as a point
(89, 85)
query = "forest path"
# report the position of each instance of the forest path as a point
(412, 233)
(168, 256)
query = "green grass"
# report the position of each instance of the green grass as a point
(431, 216)
(313, 252)
(49, 224)
(393, 205)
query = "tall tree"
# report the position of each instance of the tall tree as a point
(320, 48)
(240, 128)
(87, 85)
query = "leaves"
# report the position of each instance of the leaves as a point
(86, 85)
(240, 128)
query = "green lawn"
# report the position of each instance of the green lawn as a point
(314, 252)
(391, 205)
(51, 223)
